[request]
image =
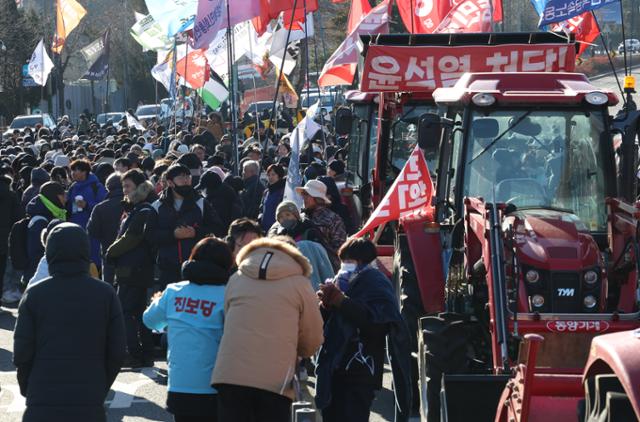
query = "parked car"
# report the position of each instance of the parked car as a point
(326, 100)
(115, 117)
(632, 45)
(148, 112)
(29, 120)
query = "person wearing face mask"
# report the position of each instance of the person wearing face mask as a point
(182, 217)
(132, 258)
(290, 223)
(361, 313)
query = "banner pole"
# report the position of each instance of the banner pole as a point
(232, 94)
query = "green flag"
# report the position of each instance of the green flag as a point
(213, 93)
(150, 35)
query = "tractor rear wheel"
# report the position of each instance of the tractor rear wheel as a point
(409, 299)
(606, 400)
(444, 347)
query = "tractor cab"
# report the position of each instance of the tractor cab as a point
(538, 239)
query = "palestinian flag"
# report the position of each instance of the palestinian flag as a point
(214, 92)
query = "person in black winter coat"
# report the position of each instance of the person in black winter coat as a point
(104, 222)
(253, 190)
(10, 212)
(49, 204)
(39, 177)
(68, 343)
(182, 217)
(221, 196)
(133, 259)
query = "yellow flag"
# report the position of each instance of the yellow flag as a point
(68, 16)
(287, 92)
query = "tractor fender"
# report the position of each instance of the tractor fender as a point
(617, 353)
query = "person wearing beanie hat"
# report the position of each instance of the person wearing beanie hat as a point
(273, 195)
(336, 171)
(47, 205)
(182, 218)
(132, 257)
(290, 223)
(191, 161)
(39, 176)
(88, 344)
(147, 165)
(222, 197)
(104, 222)
(42, 271)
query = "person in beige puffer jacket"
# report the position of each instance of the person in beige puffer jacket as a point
(271, 319)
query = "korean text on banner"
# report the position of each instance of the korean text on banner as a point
(411, 193)
(561, 10)
(40, 65)
(402, 68)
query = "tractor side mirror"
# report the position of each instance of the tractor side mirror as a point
(344, 120)
(429, 130)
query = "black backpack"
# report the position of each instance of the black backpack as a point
(18, 243)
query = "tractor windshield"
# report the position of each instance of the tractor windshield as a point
(539, 159)
(404, 137)
(362, 144)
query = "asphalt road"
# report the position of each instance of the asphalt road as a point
(609, 82)
(136, 396)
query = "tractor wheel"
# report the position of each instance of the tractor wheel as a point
(444, 348)
(409, 299)
(606, 400)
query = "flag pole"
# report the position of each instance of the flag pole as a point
(253, 78)
(186, 66)
(279, 78)
(306, 70)
(232, 93)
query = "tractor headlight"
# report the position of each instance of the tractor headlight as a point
(591, 277)
(537, 301)
(532, 276)
(483, 100)
(589, 302)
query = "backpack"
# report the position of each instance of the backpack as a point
(18, 242)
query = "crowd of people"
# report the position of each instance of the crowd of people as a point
(116, 241)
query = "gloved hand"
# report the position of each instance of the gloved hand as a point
(330, 295)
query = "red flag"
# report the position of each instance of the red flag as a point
(467, 16)
(359, 9)
(194, 68)
(423, 16)
(497, 10)
(584, 26)
(410, 194)
(341, 66)
(270, 9)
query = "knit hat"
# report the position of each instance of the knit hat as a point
(337, 166)
(288, 206)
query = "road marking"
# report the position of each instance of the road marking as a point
(123, 397)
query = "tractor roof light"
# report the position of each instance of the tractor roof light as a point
(591, 277)
(596, 98)
(629, 82)
(590, 302)
(483, 100)
(537, 301)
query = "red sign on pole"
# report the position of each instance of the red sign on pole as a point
(425, 68)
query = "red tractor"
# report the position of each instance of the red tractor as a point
(534, 232)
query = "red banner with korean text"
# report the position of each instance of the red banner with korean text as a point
(411, 193)
(425, 68)
(585, 28)
(422, 16)
(194, 68)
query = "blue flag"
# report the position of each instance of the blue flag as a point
(561, 10)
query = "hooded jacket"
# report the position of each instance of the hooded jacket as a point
(222, 197)
(40, 216)
(39, 177)
(193, 312)
(271, 318)
(93, 193)
(106, 216)
(10, 212)
(69, 336)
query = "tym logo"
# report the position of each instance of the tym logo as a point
(566, 292)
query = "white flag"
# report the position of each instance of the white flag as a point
(133, 122)
(40, 64)
(305, 130)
